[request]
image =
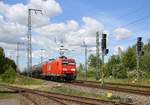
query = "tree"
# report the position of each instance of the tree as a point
(119, 71)
(92, 61)
(112, 64)
(129, 58)
(2, 59)
(11, 63)
(9, 75)
(81, 67)
(145, 60)
(5, 62)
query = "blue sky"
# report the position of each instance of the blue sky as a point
(111, 13)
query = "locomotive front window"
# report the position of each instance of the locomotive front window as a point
(72, 63)
(64, 63)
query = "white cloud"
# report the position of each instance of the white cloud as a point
(45, 32)
(13, 18)
(19, 12)
(70, 32)
(39, 53)
(11, 32)
(122, 33)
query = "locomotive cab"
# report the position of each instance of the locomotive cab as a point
(69, 69)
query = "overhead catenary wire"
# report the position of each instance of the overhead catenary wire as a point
(136, 21)
(135, 11)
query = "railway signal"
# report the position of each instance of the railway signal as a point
(104, 44)
(139, 53)
(104, 52)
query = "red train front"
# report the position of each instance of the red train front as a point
(62, 68)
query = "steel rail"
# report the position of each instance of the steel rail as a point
(76, 99)
(120, 84)
(107, 87)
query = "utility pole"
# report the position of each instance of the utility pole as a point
(42, 55)
(17, 58)
(139, 53)
(104, 52)
(85, 46)
(97, 56)
(29, 50)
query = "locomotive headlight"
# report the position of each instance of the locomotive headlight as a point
(73, 69)
(64, 69)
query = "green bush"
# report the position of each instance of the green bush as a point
(119, 71)
(9, 75)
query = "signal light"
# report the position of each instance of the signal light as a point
(139, 39)
(106, 51)
(139, 46)
(104, 36)
(142, 53)
(103, 42)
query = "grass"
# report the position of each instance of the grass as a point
(75, 92)
(22, 80)
(7, 95)
(91, 77)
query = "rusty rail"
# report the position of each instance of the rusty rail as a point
(111, 87)
(57, 97)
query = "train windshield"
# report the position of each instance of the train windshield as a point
(72, 63)
(67, 63)
(64, 63)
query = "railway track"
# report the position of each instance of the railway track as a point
(117, 84)
(64, 99)
(115, 87)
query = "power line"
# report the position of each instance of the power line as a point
(136, 21)
(135, 11)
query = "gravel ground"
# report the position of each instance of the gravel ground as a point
(9, 102)
(140, 100)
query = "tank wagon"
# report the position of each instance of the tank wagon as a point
(62, 68)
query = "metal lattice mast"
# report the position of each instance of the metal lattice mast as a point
(29, 50)
(97, 56)
(42, 55)
(85, 46)
(29, 42)
(17, 58)
(17, 55)
(86, 62)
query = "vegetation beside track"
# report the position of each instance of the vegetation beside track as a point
(121, 67)
(91, 77)
(75, 92)
(7, 95)
(22, 80)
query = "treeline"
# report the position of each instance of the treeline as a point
(7, 68)
(124, 64)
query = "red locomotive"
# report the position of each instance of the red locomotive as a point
(62, 68)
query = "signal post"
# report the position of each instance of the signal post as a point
(104, 52)
(139, 53)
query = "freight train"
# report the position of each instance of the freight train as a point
(60, 69)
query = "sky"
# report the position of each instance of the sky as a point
(72, 22)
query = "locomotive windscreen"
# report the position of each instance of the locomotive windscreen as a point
(65, 63)
(71, 63)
